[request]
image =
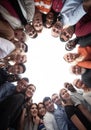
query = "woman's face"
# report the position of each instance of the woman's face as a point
(34, 110)
(41, 109)
(64, 94)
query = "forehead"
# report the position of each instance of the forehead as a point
(62, 91)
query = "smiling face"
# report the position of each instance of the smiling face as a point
(56, 29)
(67, 33)
(64, 94)
(79, 84)
(41, 109)
(21, 85)
(20, 58)
(34, 110)
(70, 57)
(56, 99)
(49, 105)
(30, 91)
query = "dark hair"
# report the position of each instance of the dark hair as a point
(62, 40)
(26, 79)
(46, 99)
(26, 47)
(23, 66)
(35, 35)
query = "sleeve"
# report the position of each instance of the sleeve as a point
(70, 12)
(70, 111)
(48, 122)
(85, 64)
(61, 119)
(6, 47)
(30, 9)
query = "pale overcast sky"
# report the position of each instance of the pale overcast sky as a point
(46, 68)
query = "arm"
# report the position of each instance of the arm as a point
(85, 111)
(77, 123)
(6, 47)
(85, 64)
(21, 123)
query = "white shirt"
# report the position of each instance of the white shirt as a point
(6, 47)
(50, 122)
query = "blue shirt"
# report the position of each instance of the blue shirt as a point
(72, 12)
(6, 90)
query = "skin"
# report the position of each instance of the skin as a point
(15, 69)
(41, 109)
(67, 33)
(56, 29)
(21, 85)
(49, 105)
(70, 57)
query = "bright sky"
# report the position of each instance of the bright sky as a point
(46, 68)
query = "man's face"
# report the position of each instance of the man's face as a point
(67, 33)
(49, 19)
(37, 22)
(78, 83)
(56, 99)
(70, 45)
(69, 86)
(49, 105)
(16, 69)
(21, 85)
(20, 35)
(78, 70)
(30, 30)
(56, 29)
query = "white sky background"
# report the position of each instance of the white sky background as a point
(46, 68)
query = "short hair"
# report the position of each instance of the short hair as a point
(35, 35)
(62, 40)
(46, 99)
(23, 66)
(26, 79)
(26, 47)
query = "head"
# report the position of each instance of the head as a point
(21, 45)
(56, 29)
(17, 68)
(64, 95)
(48, 104)
(77, 70)
(30, 91)
(79, 84)
(20, 58)
(70, 57)
(34, 109)
(49, 20)
(22, 85)
(69, 87)
(20, 35)
(30, 30)
(56, 99)
(70, 45)
(37, 22)
(67, 33)
(41, 109)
